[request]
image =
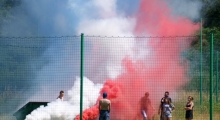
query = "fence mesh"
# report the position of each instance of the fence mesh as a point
(35, 70)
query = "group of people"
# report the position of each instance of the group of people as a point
(146, 109)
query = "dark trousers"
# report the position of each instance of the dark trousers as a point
(161, 115)
(104, 115)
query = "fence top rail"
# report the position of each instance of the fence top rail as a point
(28, 37)
(139, 36)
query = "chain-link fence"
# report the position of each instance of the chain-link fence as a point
(35, 70)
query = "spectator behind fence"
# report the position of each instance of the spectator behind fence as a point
(61, 95)
(167, 109)
(104, 108)
(189, 108)
(146, 108)
(160, 111)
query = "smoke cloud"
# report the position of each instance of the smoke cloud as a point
(128, 67)
(165, 72)
(67, 110)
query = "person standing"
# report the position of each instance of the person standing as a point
(146, 108)
(61, 95)
(104, 108)
(160, 110)
(167, 109)
(189, 108)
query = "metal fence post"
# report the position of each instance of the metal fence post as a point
(201, 63)
(81, 75)
(217, 76)
(211, 77)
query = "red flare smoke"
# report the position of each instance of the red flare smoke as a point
(89, 114)
(113, 91)
(165, 71)
(155, 18)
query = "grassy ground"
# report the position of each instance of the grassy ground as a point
(200, 112)
(7, 117)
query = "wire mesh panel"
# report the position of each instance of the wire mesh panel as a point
(135, 72)
(35, 70)
(130, 67)
(203, 78)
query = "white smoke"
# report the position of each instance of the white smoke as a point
(108, 23)
(116, 26)
(106, 8)
(113, 50)
(67, 110)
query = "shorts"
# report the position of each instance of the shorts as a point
(189, 114)
(104, 115)
(167, 115)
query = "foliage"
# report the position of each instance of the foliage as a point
(5, 11)
(211, 13)
(15, 55)
(211, 16)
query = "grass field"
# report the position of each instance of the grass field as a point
(7, 117)
(200, 112)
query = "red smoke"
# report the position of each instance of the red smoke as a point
(89, 114)
(162, 71)
(154, 18)
(114, 91)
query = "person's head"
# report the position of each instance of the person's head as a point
(61, 93)
(167, 101)
(104, 95)
(190, 98)
(166, 94)
(146, 94)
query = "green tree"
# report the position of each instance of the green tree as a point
(211, 17)
(5, 11)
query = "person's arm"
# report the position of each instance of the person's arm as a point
(185, 107)
(191, 107)
(159, 108)
(109, 107)
(100, 105)
(139, 104)
(172, 106)
(151, 106)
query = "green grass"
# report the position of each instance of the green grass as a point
(200, 112)
(7, 117)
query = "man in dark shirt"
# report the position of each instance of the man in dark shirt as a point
(160, 111)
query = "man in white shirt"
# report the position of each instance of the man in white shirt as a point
(61, 95)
